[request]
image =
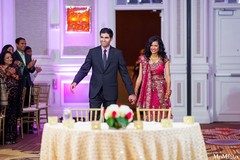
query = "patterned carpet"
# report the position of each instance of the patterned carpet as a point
(9, 154)
(222, 143)
(27, 148)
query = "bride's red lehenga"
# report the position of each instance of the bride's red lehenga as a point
(154, 86)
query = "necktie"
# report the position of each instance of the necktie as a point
(104, 57)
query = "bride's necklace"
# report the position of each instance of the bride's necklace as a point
(154, 59)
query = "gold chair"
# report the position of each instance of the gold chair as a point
(3, 107)
(31, 114)
(2, 121)
(20, 120)
(149, 114)
(43, 102)
(88, 114)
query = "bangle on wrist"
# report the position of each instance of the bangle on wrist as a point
(169, 92)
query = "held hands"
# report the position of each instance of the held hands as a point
(132, 99)
(73, 85)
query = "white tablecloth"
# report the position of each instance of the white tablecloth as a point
(182, 142)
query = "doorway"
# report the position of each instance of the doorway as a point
(133, 29)
(227, 58)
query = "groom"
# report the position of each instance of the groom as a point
(105, 62)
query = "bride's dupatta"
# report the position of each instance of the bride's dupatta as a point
(144, 100)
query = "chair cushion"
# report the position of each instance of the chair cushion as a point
(29, 109)
(40, 106)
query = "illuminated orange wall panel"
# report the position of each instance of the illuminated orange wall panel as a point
(78, 19)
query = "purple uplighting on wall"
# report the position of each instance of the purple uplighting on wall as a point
(80, 94)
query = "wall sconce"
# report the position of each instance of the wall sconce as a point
(54, 84)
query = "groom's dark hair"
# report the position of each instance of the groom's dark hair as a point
(108, 31)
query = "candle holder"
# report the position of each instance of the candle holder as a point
(96, 125)
(166, 123)
(188, 120)
(68, 123)
(138, 125)
(52, 120)
(67, 114)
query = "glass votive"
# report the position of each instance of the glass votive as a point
(67, 114)
(188, 120)
(69, 123)
(138, 125)
(52, 120)
(96, 125)
(166, 123)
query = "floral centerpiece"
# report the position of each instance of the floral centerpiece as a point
(118, 116)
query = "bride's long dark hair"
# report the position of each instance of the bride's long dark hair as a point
(161, 52)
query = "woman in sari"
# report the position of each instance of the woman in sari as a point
(154, 76)
(10, 74)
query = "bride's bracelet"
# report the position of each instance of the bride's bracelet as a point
(169, 92)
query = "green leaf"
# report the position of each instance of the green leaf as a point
(122, 121)
(110, 121)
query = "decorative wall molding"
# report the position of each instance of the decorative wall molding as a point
(79, 97)
(8, 22)
(199, 31)
(178, 85)
(54, 12)
(228, 89)
(177, 32)
(81, 41)
(199, 90)
(33, 27)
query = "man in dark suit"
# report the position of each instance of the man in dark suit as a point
(26, 64)
(104, 83)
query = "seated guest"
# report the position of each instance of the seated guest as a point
(10, 74)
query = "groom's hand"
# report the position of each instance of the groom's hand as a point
(73, 85)
(132, 99)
